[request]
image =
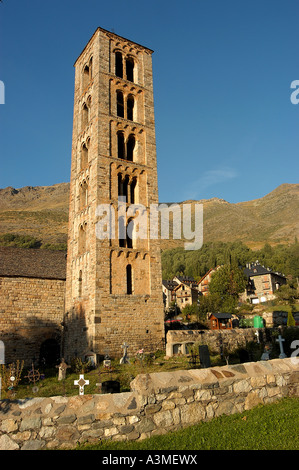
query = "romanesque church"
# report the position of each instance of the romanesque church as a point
(103, 291)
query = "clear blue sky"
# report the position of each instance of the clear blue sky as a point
(225, 125)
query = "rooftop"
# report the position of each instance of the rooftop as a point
(33, 263)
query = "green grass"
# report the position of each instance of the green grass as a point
(268, 427)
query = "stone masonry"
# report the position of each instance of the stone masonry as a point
(113, 284)
(157, 403)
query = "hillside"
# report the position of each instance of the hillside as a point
(42, 212)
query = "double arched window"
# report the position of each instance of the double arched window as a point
(125, 106)
(127, 188)
(124, 66)
(125, 148)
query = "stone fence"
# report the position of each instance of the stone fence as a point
(156, 404)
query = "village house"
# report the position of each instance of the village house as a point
(180, 291)
(203, 283)
(168, 292)
(262, 283)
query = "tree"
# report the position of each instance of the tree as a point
(229, 280)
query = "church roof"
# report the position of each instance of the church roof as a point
(34, 263)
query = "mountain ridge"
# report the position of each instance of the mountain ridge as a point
(42, 212)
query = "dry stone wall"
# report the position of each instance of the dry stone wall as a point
(157, 403)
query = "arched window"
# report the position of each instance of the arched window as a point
(120, 145)
(84, 156)
(130, 147)
(82, 239)
(85, 116)
(121, 232)
(130, 108)
(129, 233)
(85, 76)
(130, 69)
(83, 196)
(129, 279)
(120, 104)
(118, 64)
(133, 191)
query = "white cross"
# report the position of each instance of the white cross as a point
(280, 340)
(81, 382)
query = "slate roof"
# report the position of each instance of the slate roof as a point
(256, 269)
(34, 263)
(170, 285)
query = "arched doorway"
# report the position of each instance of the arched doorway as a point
(49, 353)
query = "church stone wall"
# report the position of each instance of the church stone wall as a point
(31, 312)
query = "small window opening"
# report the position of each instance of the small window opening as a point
(119, 64)
(130, 108)
(120, 145)
(85, 116)
(133, 191)
(82, 239)
(120, 104)
(129, 279)
(83, 195)
(130, 69)
(129, 233)
(84, 157)
(121, 232)
(130, 147)
(85, 76)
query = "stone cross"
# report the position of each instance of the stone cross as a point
(280, 340)
(125, 359)
(62, 369)
(81, 382)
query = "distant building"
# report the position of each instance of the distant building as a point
(186, 294)
(203, 283)
(168, 292)
(262, 283)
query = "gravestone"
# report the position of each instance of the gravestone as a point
(266, 353)
(81, 383)
(125, 358)
(2, 353)
(280, 340)
(62, 369)
(204, 356)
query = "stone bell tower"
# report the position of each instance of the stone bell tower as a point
(114, 284)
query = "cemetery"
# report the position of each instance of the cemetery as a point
(140, 394)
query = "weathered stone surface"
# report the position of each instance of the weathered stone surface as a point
(33, 445)
(6, 443)
(32, 422)
(66, 419)
(8, 425)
